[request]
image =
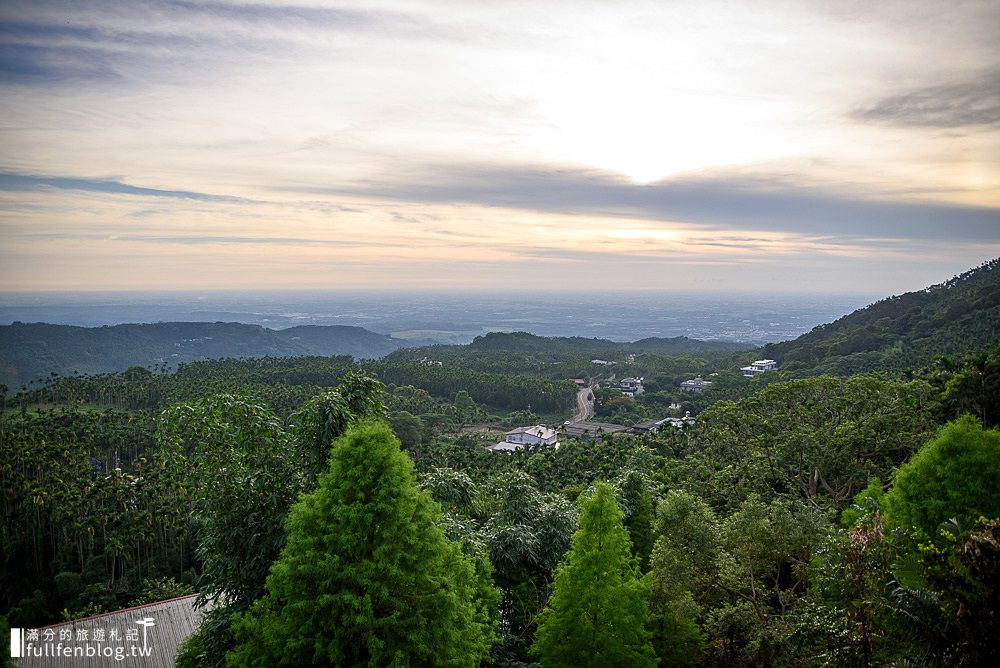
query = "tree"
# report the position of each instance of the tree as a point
(818, 438)
(241, 463)
(685, 575)
(599, 611)
(528, 532)
(248, 471)
(367, 577)
(766, 547)
(408, 428)
(962, 569)
(956, 474)
(464, 402)
(327, 416)
(637, 506)
(687, 551)
(849, 606)
(976, 389)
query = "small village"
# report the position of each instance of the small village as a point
(581, 427)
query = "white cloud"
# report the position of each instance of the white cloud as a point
(347, 102)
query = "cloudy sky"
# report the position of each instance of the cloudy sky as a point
(767, 145)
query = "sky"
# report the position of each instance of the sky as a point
(825, 146)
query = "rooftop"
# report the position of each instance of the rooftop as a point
(586, 428)
(146, 636)
(535, 430)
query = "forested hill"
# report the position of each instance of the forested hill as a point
(530, 343)
(29, 352)
(956, 318)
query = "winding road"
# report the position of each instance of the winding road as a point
(584, 405)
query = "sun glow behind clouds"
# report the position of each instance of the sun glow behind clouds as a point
(678, 89)
(636, 106)
(648, 134)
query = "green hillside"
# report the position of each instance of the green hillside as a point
(357, 342)
(29, 352)
(956, 318)
(530, 343)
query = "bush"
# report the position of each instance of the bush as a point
(955, 475)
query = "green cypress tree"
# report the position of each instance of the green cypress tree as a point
(955, 475)
(367, 577)
(598, 614)
(637, 505)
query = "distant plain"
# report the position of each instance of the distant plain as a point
(455, 317)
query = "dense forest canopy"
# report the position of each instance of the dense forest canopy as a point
(31, 353)
(338, 511)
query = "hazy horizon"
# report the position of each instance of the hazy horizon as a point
(459, 291)
(452, 317)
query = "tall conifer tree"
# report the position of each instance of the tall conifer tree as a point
(367, 577)
(598, 614)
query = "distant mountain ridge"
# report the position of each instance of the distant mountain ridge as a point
(531, 343)
(29, 352)
(955, 318)
(958, 317)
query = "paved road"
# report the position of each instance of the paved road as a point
(584, 405)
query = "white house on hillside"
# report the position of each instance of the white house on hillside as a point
(524, 436)
(631, 386)
(695, 385)
(758, 367)
(657, 425)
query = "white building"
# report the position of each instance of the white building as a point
(758, 367)
(516, 439)
(657, 425)
(680, 423)
(631, 386)
(695, 385)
